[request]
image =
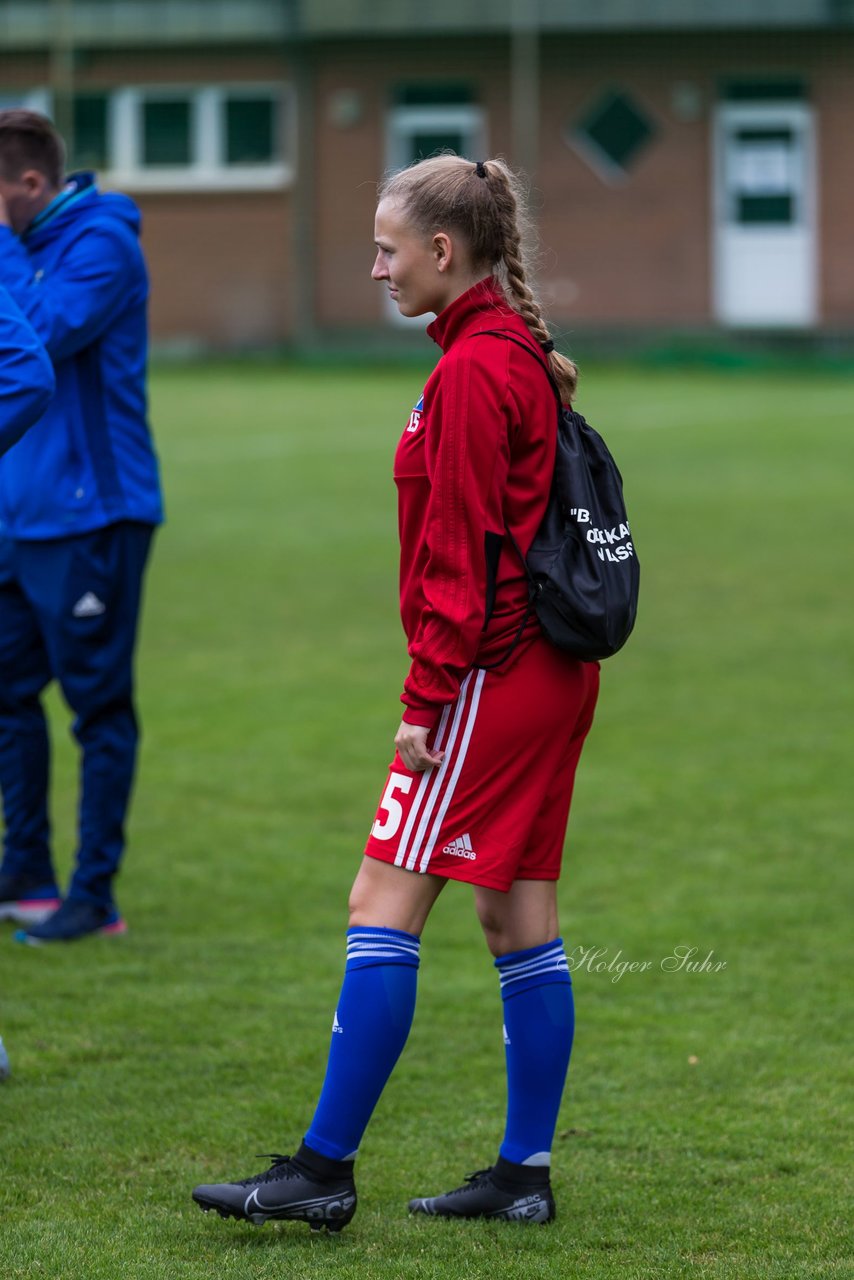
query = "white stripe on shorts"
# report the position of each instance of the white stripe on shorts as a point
(433, 780)
(437, 780)
(429, 778)
(460, 761)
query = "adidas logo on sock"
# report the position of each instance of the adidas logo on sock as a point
(88, 606)
(336, 1025)
(461, 848)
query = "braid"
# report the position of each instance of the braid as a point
(512, 264)
(523, 299)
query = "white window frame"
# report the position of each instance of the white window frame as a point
(796, 116)
(29, 99)
(404, 121)
(611, 172)
(207, 170)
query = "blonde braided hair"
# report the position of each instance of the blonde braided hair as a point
(485, 202)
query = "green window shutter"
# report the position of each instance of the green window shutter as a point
(250, 129)
(166, 131)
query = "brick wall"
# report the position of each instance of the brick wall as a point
(636, 253)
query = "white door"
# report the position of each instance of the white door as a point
(417, 132)
(765, 215)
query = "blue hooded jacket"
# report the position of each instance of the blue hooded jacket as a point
(26, 374)
(79, 276)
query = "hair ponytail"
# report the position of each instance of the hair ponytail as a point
(485, 202)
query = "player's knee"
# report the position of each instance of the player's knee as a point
(494, 927)
(510, 925)
(358, 902)
(366, 909)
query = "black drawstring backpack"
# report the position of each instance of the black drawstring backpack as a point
(582, 567)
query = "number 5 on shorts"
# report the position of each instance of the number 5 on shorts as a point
(392, 806)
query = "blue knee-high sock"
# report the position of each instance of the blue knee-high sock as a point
(369, 1031)
(539, 1020)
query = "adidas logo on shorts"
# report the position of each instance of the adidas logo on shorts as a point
(461, 848)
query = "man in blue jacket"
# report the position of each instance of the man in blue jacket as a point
(79, 500)
(26, 374)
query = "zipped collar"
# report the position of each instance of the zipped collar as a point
(477, 305)
(77, 188)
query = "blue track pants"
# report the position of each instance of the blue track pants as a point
(68, 612)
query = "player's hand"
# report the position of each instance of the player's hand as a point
(5, 221)
(411, 743)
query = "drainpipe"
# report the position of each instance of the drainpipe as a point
(61, 73)
(525, 85)
(304, 331)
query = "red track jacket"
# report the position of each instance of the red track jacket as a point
(477, 452)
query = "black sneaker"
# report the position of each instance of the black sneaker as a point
(507, 1192)
(323, 1195)
(27, 900)
(75, 918)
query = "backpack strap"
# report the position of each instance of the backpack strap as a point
(533, 352)
(535, 355)
(533, 585)
(491, 666)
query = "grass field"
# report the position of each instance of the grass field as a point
(704, 1125)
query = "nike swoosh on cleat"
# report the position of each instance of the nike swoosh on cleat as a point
(322, 1203)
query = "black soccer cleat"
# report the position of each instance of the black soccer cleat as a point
(505, 1192)
(322, 1196)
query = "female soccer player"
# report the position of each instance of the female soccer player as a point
(480, 785)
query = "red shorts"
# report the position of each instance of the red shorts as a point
(496, 808)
